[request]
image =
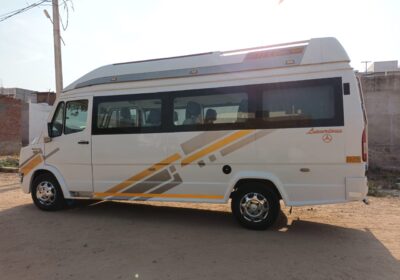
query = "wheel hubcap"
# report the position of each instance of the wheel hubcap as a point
(254, 207)
(46, 193)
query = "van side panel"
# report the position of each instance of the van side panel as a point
(310, 162)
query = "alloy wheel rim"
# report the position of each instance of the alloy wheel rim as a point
(254, 207)
(46, 193)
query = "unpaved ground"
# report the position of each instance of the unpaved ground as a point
(185, 241)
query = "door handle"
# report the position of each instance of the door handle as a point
(83, 142)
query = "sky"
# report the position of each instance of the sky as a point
(102, 32)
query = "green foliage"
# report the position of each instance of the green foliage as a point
(9, 162)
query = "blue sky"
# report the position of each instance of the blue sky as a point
(103, 32)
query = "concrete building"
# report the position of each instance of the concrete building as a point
(384, 66)
(382, 100)
(24, 95)
(29, 96)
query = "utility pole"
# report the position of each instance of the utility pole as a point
(366, 65)
(57, 49)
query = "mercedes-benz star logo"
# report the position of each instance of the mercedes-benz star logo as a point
(327, 138)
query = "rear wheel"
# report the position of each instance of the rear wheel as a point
(46, 193)
(255, 206)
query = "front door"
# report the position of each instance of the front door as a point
(70, 149)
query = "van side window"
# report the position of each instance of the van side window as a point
(128, 113)
(211, 109)
(57, 122)
(301, 105)
(75, 116)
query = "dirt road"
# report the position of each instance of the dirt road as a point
(112, 240)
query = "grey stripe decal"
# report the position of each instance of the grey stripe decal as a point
(237, 145)
(202, 140)
(36, 153)
(150, 183)
(177, 180)
(246, 65)
(51, 153)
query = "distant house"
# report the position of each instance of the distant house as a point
(45, 97)
(29, 96)
(22, 115)
(384, 66)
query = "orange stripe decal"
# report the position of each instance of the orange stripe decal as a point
(165, 195)
(217, 145)
(145, 173)
(30, 165)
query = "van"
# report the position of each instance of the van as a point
(257, 126)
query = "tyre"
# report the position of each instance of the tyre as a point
(46, 193)
(255, 205)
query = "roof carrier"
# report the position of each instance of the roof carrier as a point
(314, 51)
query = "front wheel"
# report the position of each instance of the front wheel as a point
(46, 193)
(255, 206)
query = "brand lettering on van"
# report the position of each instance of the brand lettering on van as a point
(324, 131)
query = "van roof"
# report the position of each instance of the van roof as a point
(314, 51)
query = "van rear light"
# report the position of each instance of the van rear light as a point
(364, 146)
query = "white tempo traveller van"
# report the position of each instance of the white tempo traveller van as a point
(283, 122)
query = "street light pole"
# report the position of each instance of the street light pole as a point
(57, 48)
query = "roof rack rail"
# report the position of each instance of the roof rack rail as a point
(164, 58)
(261, 48)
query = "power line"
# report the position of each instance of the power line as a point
(22, 10)
(65, 3)
(66, 9)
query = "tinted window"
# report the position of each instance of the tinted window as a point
(75, 116)
(311, 103)
(299, 103)
(57, 122)
(128, 113)
(304, 104)
(211, 109)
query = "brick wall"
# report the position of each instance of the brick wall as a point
(10, 125)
